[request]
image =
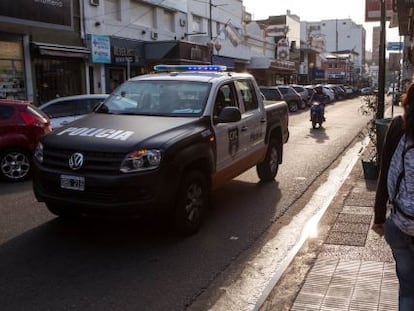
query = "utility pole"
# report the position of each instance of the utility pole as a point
(381, 72)
(210, 31)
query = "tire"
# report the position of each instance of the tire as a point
(293, 106)
(267, 170)
(15, 165)
(63, 211)
(303, 104)
(313, 119)
(191, 204)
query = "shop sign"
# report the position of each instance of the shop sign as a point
(406, 4)
(39, 13)
(373, 10)
(125, 51)
(101, 49)
(319, 74)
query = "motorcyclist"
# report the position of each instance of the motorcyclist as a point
(318, 96)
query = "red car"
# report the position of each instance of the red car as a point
(21, 126)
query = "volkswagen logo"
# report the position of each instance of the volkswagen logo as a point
(76, 161)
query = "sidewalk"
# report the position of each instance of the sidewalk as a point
(352, 268)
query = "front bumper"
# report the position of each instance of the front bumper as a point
(121, 193)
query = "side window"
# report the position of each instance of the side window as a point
(248, 95)
(6, 112)
(61, 109)
(225, 97)
(86, 106)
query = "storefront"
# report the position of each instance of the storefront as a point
(268, 72)
(42, 54)
(126, 61)
(12, 69)
(174, 53)
(58, 70)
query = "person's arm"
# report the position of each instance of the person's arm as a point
(392, 138)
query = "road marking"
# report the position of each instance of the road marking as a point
(262, 273)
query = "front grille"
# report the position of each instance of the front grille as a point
(94, 162)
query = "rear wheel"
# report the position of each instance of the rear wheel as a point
(191, 203)
(293, 106)
(303, 104)
(267, 170)
(15, 165)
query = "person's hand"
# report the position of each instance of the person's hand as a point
(378, 229)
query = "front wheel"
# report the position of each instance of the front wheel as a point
(15, 165)
(267, 170)
(191, 203)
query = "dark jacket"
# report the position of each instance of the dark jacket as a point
(394, 134)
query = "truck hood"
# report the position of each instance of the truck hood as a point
(117, 133)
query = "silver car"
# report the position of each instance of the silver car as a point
(63, 110)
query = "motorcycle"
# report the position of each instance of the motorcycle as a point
(316, 111)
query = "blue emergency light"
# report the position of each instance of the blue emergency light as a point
(190, 68)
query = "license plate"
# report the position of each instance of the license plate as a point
(72, 182)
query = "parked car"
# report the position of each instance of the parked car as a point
(328, 92)
(293, 98)
(63, 110)
(311, 90)
(21, 126)
(303, 92)
(367, 91)
(271, 93)
(339, 92)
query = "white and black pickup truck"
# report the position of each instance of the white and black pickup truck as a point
(160, 144)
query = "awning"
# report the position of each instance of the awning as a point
(61, 50)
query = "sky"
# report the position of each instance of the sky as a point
(315, 10)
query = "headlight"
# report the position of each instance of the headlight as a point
(141, 160)
(38, 153)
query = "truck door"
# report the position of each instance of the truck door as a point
(227, 135)
(253, 127)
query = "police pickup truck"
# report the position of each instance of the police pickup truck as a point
(161, 143)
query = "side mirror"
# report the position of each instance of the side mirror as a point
(227, 115)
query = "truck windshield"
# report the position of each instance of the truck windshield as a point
(158, 97)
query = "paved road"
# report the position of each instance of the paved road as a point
(47, 264)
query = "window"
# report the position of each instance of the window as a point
(197, 21)
(6, 112)
(271, 94)
(169, 20)
(12, 83)
(248, 95)
(61, 109)
(225, 97)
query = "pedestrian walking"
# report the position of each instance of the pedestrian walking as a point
(395, 189)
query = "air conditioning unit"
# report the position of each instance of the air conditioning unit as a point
(183, 22)
(154, 35)
(94, 2)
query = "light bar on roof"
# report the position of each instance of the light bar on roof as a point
(190, 68)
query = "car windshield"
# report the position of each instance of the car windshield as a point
(158, 97)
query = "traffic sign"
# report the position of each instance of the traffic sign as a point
(394, 46)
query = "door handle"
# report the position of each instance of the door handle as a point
(244, 128)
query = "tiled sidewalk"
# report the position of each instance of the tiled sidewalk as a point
(355, 269)
(335, 284)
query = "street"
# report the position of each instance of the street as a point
(95, 264)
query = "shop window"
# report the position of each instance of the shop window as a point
(12, 83)
(57, 78)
